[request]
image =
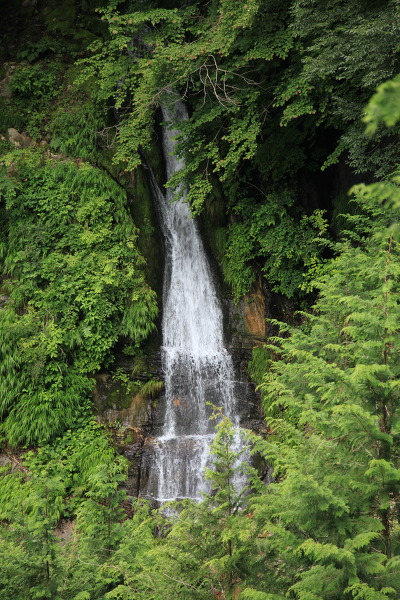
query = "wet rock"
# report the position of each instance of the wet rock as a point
(119, 401)
(127, 412)
(135, 415)
(178, 462)
(248, 318)
(254, 314)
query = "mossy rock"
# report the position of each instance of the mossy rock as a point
(141, 205)
(111, 394)
(118, 405)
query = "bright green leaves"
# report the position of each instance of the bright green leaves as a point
(332, 76)
(333, 43)
(71, 246)
(301, 103)
(41, 394)
(224, 59)
(384, 106)
(241, 136)
(362, 591)
(35, 81)
(70, 493)
(136, 78)
(76, 128)
(31, 509)
(249, 594)
(233, 17)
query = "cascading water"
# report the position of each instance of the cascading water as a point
(197, 367)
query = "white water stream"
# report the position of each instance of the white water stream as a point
(197, 367)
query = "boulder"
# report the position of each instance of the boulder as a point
(5, 91)
(19, 140)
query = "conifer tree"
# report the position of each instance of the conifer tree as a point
(208, 552)
(107, 554)
(332, 403)
(29, 550)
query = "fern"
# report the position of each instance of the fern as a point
(152, 388)
(80, 285)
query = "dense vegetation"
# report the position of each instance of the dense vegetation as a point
(292, 154)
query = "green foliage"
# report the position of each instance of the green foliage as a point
(274, 234)
(240, 252)
(31, 51)
(9, 118)
(275, 91)
(77, 476)
(249, 594)
(33, 86)
(219, 57)
(259, 363)
(384, 106)
(208, 550)
(332, 77)
(28, 547)
(334, 395)
(193, 47)
(78, 285)
(111, 566)
(35, 81)
(152, 388)
(75, 128)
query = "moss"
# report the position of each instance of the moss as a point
(149, 238)
(114, 394)
(154, 155)
(119, 398)
(214, 226)
(145, 216)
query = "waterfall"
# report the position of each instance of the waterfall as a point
(197, 367)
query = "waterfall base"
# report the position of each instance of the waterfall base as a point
(175, 465)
